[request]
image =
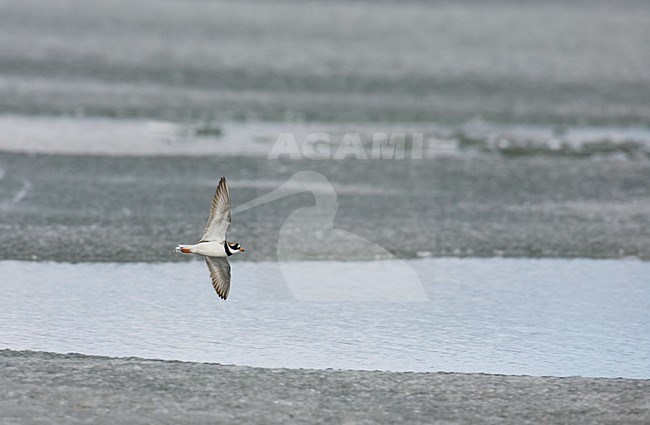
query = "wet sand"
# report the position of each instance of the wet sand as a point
(86, 208)
(37, 387)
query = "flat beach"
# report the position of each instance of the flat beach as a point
(37, 388)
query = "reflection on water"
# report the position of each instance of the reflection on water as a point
(538, 317)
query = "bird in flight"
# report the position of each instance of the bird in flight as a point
(213, 245)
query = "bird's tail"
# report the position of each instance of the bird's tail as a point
(185, 249)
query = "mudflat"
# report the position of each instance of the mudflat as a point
(38, 387)
(93, 208)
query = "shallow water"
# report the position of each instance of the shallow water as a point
(509, 316)
(256, 139)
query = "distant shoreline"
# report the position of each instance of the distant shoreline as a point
(73, 388)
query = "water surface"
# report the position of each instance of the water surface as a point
(508, 316)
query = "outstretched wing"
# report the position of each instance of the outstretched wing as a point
(220, 275)
(219, 220)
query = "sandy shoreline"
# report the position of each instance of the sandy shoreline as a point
(38, 387)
